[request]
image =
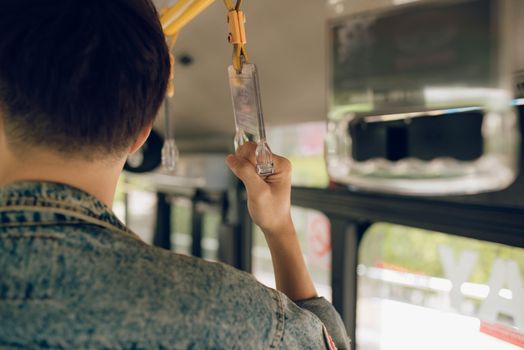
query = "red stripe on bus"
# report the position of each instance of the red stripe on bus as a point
(504, 333)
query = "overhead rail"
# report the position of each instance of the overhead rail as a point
(181, 13)
(173, 19)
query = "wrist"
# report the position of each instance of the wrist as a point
(280, 228)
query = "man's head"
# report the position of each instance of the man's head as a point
(81, 78)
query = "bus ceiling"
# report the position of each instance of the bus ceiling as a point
(290, 55)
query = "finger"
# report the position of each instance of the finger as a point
(281, 164)
(247, 151)
(246, 172)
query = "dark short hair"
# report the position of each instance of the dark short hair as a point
(80, 76)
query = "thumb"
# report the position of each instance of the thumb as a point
(246, 172)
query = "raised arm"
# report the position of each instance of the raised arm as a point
(269, 204)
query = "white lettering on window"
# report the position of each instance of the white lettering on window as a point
(457, 273)
(504, 273)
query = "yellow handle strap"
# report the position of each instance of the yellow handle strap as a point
(171, 82)
(237, 33)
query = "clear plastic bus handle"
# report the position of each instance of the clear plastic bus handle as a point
(249, 117)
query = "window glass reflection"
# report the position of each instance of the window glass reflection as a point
(420, 289)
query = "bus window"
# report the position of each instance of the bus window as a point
(211, 224)
(181, 225)
(449, 293)
(141, 209)
(303, 145)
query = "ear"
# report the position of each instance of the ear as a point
(140, 139)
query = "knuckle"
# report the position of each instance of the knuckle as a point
(289, 165)
(286, 165)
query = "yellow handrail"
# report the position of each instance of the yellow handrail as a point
(170, 14)
(173, 19)
(180, 14)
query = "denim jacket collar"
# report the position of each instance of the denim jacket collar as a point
(54, 200)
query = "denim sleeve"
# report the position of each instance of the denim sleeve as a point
(295, 325)
(330, 318)
(306, 323)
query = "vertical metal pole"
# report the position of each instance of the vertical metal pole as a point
(196, 226)
(244, 234)
(345, 242)
(226, 235)
(245, 237)
(226, 244)
(238, 231)
(162, 234)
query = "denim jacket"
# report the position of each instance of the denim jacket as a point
(72, 276)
